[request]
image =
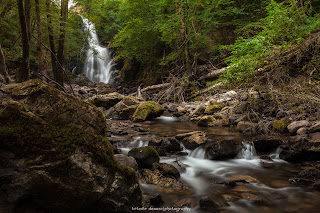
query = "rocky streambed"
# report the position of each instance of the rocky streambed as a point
(103, 151)
(215, 169)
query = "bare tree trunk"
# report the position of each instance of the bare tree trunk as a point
(23, 73)
(39, 46)
(3, 67)
(60, 55)
(51, 39)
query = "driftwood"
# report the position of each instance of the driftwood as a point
(153, 87)
(213, 74)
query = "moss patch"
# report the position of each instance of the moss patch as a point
(213, 108)
(147, 111)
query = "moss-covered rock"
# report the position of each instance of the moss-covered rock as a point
(145, 156)
(126, 107)
(59, 159)
(199, 110)
(147, 111)
(167, 170)
(206, 120)
(279, 125)
(213, 108)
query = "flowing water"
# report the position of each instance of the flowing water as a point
(98, 66)
(268, 190)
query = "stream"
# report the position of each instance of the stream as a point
(268, 189)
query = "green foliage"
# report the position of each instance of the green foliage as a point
(285, 25)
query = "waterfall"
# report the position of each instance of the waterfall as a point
(98, 62)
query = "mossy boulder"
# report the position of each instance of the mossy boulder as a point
(213, 121)
(126, 107)
(106, 101)
(213, 108)
(206, 120)
(145, 156)
(56, 155)
(147, 111)
(167, 170)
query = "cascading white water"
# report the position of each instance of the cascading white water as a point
(248, 152)
(98, 64)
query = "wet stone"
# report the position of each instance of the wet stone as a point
(206, 203)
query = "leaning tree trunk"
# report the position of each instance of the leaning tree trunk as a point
(23, 73)
(3, 67)
(60, 55)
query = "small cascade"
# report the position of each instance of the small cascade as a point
(197, 153)
(248, 152)
(98, 64)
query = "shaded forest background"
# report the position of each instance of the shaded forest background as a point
(154, 40)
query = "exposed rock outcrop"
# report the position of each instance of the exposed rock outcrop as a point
(55, 157)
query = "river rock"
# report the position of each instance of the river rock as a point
(206, 203)
(314, 137)
(185, 202)
(167, 170)
(155, 177)
(213, 108)
(147, 111)
(180, 111)
(126, 107)
(199, 110)
(55, 156)
(310, 172)
(172, 107)
(294, 126)
(145, 156)
(315, 128)
(205, 121)
(252, 198)
(266, 145)
(171, 144)
(221, 150)
(106, 101)
(246, 126)
(302, 131)
(195, 140)
(127, 161)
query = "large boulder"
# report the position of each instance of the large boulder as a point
(106, 101)
(221, 150)
(147, 111)
(145, 156)
(126, 108)
(55, 156)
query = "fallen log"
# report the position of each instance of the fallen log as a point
(153, 87)
(214, 74)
